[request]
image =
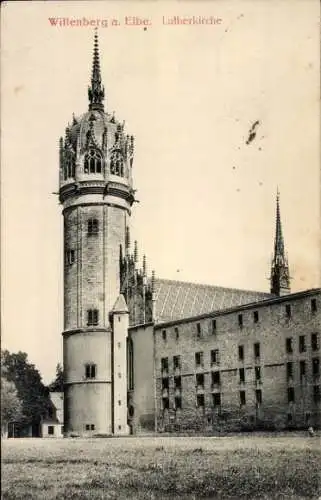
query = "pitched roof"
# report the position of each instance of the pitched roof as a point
(180, 299)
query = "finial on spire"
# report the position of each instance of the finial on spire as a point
(96, 93)
(280, 277)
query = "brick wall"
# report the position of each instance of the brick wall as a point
(268, 324)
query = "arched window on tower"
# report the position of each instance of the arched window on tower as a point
(69, 168)
(93, 162)
(117, 165)
(130, 363)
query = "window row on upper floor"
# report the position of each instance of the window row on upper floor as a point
(212, 326)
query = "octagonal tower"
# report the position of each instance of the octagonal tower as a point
(95, 189)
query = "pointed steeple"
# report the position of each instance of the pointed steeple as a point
(280, 277)
(96, 92)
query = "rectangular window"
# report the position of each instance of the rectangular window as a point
(213, 326)
(289, 370)
(92, 427)
(256, 316)
(313, 306)
(291, 395)
(165, 383)
(178, 382)
(288, 312)
(178, 402)
(215, 357)
(198, 329)
(216, 378)
(70, 257)
(164, 335)
(51, 430)
(199, 359)
(165, 403)
(241, 353)
(242, 375)
(316, 393)
(176, 362)
(240, 320)
(257, 373)
(314, 342)
(242, 398)
(289, 345)
(257, 352)
(93, 227)
(164, 364)
(200, 380)
(176, 333)
(302, 369)
(90, 370)
(216, 398)
(258, 396)
(302, 346)
(87, 427)
(315, 367)
(92, 317)
(200, 401)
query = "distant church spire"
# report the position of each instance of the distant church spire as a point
(280, 277)
(96, 92)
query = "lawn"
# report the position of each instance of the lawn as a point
(258, 467)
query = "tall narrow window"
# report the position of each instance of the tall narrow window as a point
(165, 383)
(200, 380)
(215, 357)
(313, 306)
(258, 395)
(257, 373)
(241, 352)
(198, 330)
(176, 333)
(216, 378)
(165, 403)
(176, 362)
(314, 342)
(164, 364)
(92, 317)
(130, 347)
(291, 395)
(242, 398)
(93, 162)
(70, 257)
(288, 311)
(240, 320)
(302, 369)
(164, 335)
(316, 393)
(199, 359)
(315, 367)
(289, 371)
(242, 375)
(178, 382)
(216, 398)
(93, 227)
(255, 316)
(90, 370)
(200, 401)
(257, 351)
(289, 345)
(302, 346)
(178, 402)
(69, 168)
(213, 326)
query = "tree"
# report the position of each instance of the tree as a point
(32, 393)
(58, 384)
(11, 406)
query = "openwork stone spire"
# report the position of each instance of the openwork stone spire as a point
(96, 93)
(280, 277)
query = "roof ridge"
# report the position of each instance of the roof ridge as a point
(207, 285)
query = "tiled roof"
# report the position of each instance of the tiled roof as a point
(180, 299)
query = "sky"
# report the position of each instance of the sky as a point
(189, 94)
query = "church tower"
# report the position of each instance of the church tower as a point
(95, 189)
(280, 277)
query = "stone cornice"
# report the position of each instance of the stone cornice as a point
(74, 331)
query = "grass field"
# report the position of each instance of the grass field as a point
(266, 467)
